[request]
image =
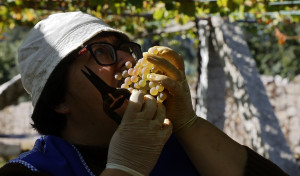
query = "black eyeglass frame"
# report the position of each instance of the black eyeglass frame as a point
(115, 49)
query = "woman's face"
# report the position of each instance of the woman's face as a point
(87, 122)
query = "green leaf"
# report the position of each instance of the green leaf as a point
(239, 2)
(18, 2)
(3, 11)
(158, 14)
(222, 3)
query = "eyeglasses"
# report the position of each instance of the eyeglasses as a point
(106, 54)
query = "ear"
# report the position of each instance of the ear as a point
(62, 108)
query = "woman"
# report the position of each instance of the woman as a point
(78, 116)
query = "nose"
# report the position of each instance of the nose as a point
(123, 57)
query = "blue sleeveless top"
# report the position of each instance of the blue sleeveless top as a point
(57, 157)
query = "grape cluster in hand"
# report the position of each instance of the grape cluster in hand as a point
(135, 79)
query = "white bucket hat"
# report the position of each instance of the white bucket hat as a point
(51, 40)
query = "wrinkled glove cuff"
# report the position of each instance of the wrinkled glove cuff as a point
(123, 168)
(188, 124)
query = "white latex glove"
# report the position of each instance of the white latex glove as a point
(179, 105)
(138, 141)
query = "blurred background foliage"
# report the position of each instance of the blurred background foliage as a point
(271, 27)
(273, 56)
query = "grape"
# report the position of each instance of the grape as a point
(128, 64)
(118, 76)
(125, 74)
(145, 70)
(159, 100)
(130, 71)
(135, 72)
(125, 86)
(153, 91)
(159, 88)
(143, 61)
(144, 77)
(148, 65)
(137, 86)
(152, 84)
(153, 51)
(142, 83)
(134, 78)
(162, 95)
(127, 81)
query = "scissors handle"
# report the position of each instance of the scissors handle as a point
(113, 98)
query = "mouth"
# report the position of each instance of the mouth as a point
(119, 83)
(113, 98)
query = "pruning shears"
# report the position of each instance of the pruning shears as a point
(113, 98)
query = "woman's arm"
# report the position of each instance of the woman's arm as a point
(212, 151)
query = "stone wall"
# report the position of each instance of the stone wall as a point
(16, 133)
(255, 112)
(284, 96)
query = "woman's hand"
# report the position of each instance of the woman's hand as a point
(213, 150)
(138, 141)
(179, 105)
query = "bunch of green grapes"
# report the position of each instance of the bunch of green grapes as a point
(135, 79)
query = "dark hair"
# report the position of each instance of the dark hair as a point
(45, 119)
